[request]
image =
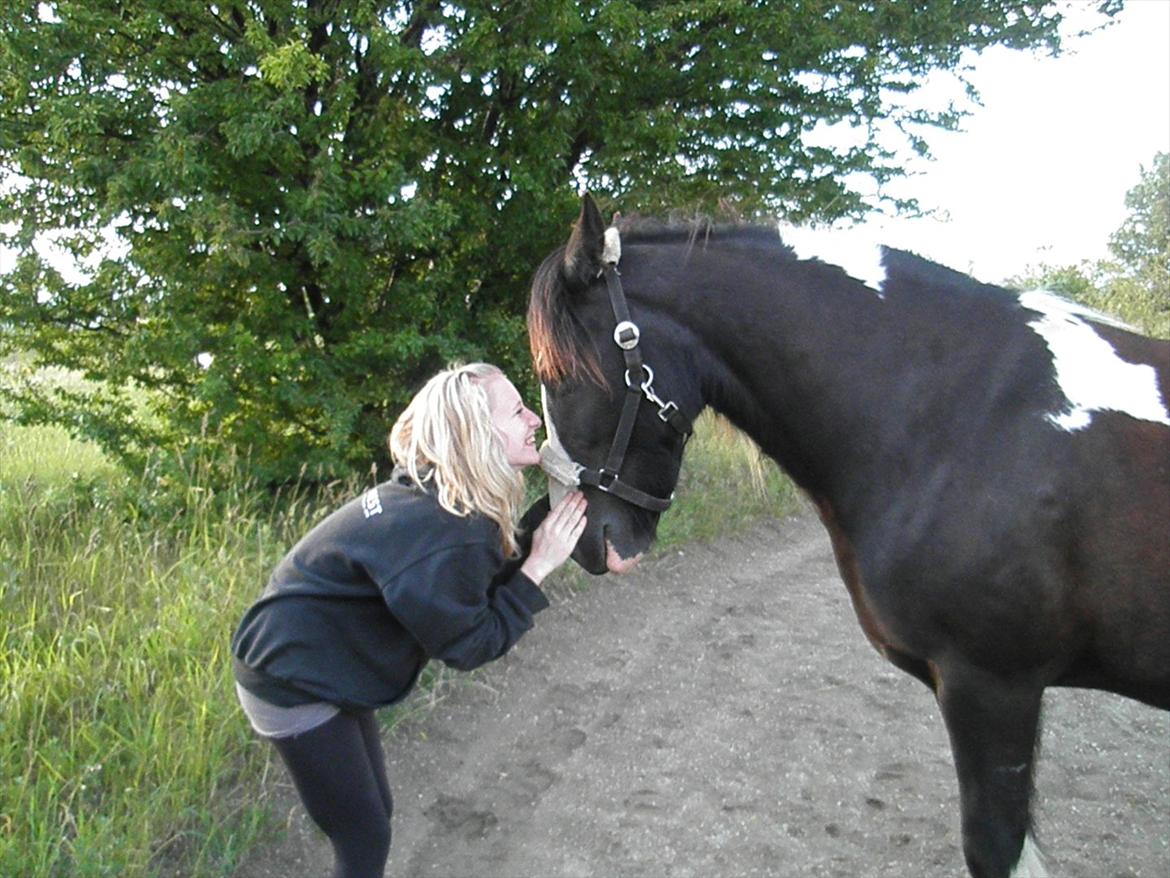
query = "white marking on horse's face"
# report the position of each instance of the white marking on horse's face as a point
(1090, 373)
(558, 466)
(1030, 864)
(563, 472)
(853, 249)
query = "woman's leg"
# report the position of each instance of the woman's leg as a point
(372, 735)
(344, 790)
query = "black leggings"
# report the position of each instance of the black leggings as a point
(340, 772)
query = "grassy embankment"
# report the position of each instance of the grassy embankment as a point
(122, 750)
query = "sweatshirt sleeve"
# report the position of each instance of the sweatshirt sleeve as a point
(447, 603)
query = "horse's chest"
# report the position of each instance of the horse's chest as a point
(880, 622)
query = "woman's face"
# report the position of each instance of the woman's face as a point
(515, 423)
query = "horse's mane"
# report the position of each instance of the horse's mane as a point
(560, 347)
(701, 231)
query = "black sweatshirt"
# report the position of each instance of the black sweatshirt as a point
(391, 579)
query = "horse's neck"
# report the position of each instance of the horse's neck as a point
(798, 371)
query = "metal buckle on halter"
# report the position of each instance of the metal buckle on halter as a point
(626, 335)
(606, 478)
(649, 373)
(667, 412)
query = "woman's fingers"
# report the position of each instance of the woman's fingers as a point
(567, 520)
(556, 537)
(571, 507)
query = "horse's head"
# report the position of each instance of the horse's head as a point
(615, 390)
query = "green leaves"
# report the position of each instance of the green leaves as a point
(293, 66)
(314, 204)
(1142, 244)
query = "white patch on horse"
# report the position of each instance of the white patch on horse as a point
(852, 249)
(1090, 373)
(1046, 300)
(562, 471)
(1030, 864)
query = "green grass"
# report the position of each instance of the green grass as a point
(122, 750)
(726, 483)
(120, 741)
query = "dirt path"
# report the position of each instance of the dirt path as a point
(719, 713)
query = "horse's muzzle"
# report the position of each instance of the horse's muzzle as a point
(615, 563)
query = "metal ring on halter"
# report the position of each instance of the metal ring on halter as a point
(647, 383)
(621, 338)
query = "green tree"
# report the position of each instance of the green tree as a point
(315, 203)
(1135, 283)
(1141, 246)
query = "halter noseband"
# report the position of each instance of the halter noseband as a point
(639, 379)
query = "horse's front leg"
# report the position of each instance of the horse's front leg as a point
(993, 725)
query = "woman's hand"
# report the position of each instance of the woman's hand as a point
(553, 542)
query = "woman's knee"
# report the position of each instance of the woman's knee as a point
(362, 848)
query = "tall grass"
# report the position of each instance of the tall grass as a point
(120, 744)
(122, 750)
(726, 483)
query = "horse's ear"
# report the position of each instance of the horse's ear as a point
(586, 245)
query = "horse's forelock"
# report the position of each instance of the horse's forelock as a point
(558, 349)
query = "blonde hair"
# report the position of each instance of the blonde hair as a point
(445, 438)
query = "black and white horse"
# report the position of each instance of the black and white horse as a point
(993, 467)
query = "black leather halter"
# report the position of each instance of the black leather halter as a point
(639, 378)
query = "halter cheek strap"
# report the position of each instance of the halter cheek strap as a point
(639, 380)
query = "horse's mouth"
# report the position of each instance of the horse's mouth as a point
(615, 563)
(597, 554)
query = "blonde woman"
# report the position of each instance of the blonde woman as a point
(432, 564)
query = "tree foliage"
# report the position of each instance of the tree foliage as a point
(1135, 283)
(294, 210)
(1141, 246)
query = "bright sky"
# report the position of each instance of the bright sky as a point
(1039, 173)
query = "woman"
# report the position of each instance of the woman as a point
(431, 564)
